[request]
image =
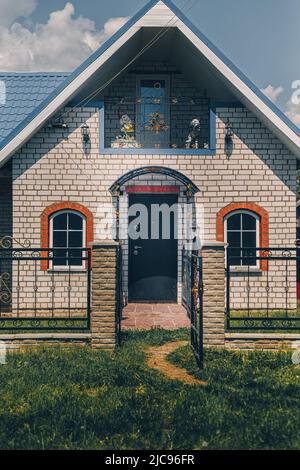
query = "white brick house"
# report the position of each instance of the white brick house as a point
(63, 162)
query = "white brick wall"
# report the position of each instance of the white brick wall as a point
(52, 168)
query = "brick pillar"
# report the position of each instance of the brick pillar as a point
(104, 294)
(213, 262)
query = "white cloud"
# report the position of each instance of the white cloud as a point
(272, 92)
(292, 109)
(11, 10)
(2, 92)
(293, 112)
(59, 45)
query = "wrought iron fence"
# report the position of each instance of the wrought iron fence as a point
(261, 289)
(192, 300)
(32, 298)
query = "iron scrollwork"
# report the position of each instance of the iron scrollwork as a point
(24, 305)
(7, 242)
(5, 291)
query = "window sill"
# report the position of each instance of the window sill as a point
(245, 270)
(139, 151)
(65, 270)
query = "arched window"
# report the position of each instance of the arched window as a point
(66, 227)
(245, 226)
(67, 238)
(241, 229)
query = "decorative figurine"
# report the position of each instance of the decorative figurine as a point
(192, 141)
(126, 137)
(127, 127)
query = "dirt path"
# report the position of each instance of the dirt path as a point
(157, 359)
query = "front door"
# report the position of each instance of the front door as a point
(153, 253)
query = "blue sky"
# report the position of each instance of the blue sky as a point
(261, 37)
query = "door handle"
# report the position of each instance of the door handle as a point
(136, 250)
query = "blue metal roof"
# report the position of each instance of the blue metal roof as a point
(24, 92)
(63, 80)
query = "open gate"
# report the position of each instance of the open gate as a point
(119, 290)
(192, 300)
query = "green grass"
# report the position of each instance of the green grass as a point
(84, 399)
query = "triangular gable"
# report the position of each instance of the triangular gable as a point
(157, 13)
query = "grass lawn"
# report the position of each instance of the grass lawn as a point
(84, 399)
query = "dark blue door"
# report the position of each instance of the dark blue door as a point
(153, 256)
(152, 120)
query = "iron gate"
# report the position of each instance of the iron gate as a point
(119, 290)
(36, 298)
(192, 300)
(261, 289)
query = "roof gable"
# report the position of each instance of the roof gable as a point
(157, 13)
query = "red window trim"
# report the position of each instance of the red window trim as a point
(263, 226)
(45, 222)
(152, 189)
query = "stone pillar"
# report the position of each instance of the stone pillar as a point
(104, 294)
(213, 271)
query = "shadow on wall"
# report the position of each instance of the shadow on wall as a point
(66, 143)
(6, 226)
(266, 146)
(259, 140)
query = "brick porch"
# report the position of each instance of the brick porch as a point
(146, 316)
